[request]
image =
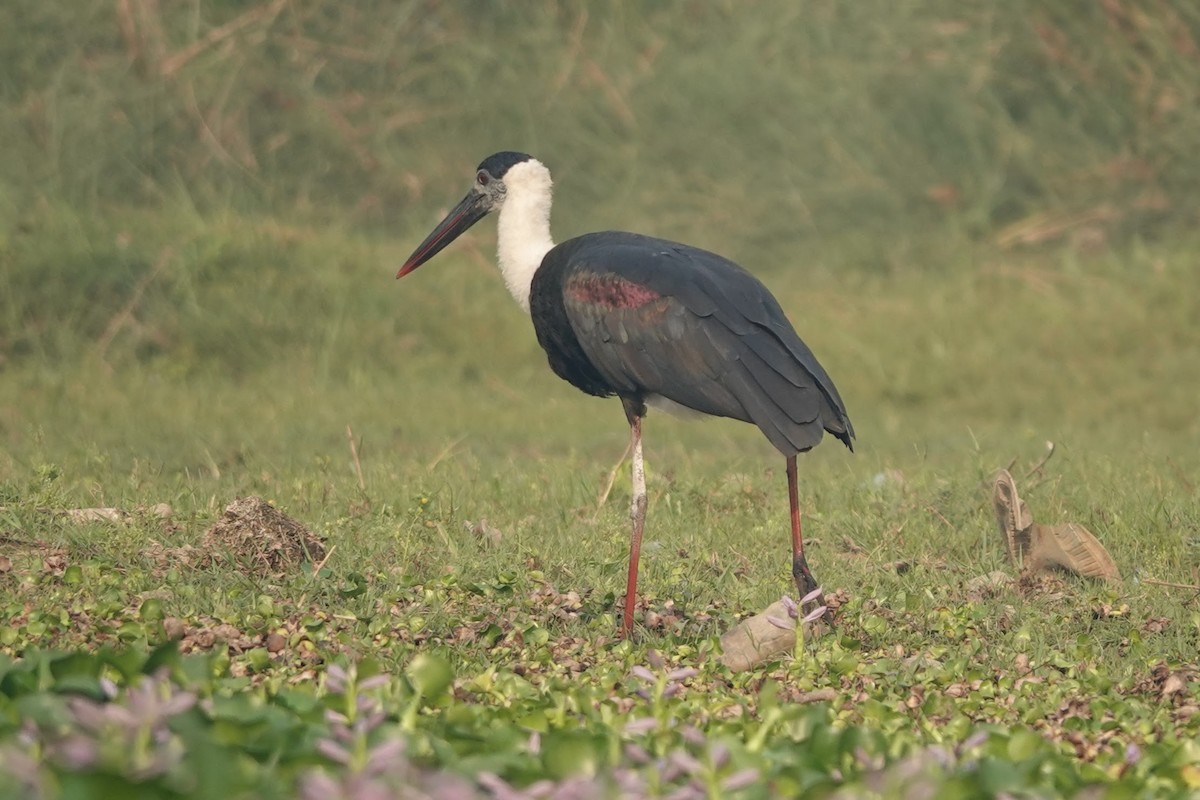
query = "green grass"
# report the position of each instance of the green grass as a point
(457, 421)
(982, 222)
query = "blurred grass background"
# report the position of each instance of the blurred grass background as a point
(983, 218)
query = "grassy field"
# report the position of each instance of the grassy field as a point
(983, 221)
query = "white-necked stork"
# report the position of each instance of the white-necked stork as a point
(655, 323)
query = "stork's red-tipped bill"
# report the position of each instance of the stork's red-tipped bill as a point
(469, 210)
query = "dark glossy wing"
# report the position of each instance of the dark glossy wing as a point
(656, 317)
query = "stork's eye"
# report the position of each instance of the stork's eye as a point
(483, 178)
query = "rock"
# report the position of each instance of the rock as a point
(757, 639)
(989, 585)
(173, 627)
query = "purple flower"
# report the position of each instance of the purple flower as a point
(779, 623)
(374, 682)
(636, 753)
(741, 779)
(643, 725)
(336, 679)
(973, 741)
(319, 786)
(77, 752)
(686, 762)
(639, 671)
(333, 751)
(385, 756)
(815, 614)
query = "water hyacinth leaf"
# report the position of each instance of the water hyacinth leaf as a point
(1188, 753)
(355, 585)
(535, 722)
(536, 636)
(258, 659)
(568, 753)
(997, 776)
(1024, 744)
(429, 674)
(164, 655)
(75, 665)
(131, 631)
(492, 634)
(368, 668)
(151, 610)
(196, 669)
(18, 680)
(85, 685)
(45, 710)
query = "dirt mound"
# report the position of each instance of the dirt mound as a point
(260, 539)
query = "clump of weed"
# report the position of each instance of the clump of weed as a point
(260, 539)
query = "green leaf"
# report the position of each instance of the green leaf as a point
(164, 655)
(1024, 744)
(568, 753)
(429, 674)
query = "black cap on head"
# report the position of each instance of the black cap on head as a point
(499, 163)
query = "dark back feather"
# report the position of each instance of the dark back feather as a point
(646, 316)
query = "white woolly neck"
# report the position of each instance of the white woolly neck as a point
(524, 226)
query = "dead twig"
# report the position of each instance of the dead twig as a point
(987, 484)
(616, 99)
(608, 484)
(446, 451)
(1171, 585)
(122, 317)
(128, 28)
(574, 52)
(140, 22)
(940, 516)
(209, 137)
(321, 564)
(329, 49)
(825, 695)
(358, 471)
(174, 62)
(1042, 227)
(1037, 468)
(1181, 476)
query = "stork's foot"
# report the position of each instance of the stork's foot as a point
(806, 584)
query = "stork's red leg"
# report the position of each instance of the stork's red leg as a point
(637, 511)
(801, 574)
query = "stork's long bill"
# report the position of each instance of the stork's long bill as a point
(469, 210)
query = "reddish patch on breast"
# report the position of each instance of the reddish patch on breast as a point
(609, 291)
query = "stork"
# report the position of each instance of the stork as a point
(655, 323)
